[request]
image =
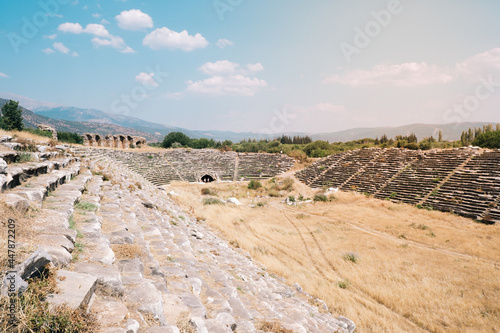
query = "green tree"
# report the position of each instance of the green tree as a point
(12, 118)
(488, 140)
(172, 137)
(440, 137)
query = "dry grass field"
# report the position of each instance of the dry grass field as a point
(388, 267)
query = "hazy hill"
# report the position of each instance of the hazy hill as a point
(80, 120)
(32, 119)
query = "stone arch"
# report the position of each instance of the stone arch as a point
(98, 140)
(207, 179)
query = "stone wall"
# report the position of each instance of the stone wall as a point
(112, 141)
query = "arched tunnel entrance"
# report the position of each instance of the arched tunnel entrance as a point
(207, 179)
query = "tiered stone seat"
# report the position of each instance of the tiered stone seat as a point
(473, 190)
(310, 174)
(423, 176)
(253, 166)
(191, 164)
(379, 171)
(346, 168)
(183, 268)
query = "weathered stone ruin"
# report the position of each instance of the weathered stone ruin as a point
(48, 128)
(183, 270)
(463, 181)
(200, 165)
(113, 141)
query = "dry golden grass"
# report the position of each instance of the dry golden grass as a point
(26, 136)
(127, 251)
(415, 270)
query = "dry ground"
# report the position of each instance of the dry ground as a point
(388, 267)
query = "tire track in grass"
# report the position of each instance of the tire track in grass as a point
(357, 290)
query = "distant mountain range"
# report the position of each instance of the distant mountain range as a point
(72, 119)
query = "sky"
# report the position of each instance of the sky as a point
(261, 66)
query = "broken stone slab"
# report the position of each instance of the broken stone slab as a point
(35, 263)
(109, 280)
(17, 202)
(173, 307)
(198, 324)
(132, 326)
(109, 312)
(12, 283)
(350, 326)
(101, 252)
(60, 256)
(121, 237)
(75, 289)
(163, 329)
(194, 303)
(3, 167)
(226, 320)
(147, 299)
(55, 240)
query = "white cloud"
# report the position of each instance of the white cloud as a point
(404, 75)
(48, 51)
(74, 28)
(222, 43)
(97, 30)
(96, 15)
(93, 28)
(166, 38)
(227, 78)
(74, 54)
(60, 47)
(219, 67)
(54, 36)
(254, 68)
(146, 79)
(104, 21)
(134, 19)
(128, 49)
(102, 35)
(4, 75)
(481, 64)
(420, 74)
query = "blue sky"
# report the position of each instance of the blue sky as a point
(262, 66)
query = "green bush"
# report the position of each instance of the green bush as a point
(254, 184)
(212, 201)
(488, 140)
(69, 137)
(321, 198)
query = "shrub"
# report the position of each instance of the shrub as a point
(412, 146)
(320, 198)
(69, 137)
(274, 193)
(298, 155)
(212, 201)
(207, 191)
(291, 198)
(39, 132)
(287, 184)
(350, 256)
(488, 140)
(343, 284)
(254, 184)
